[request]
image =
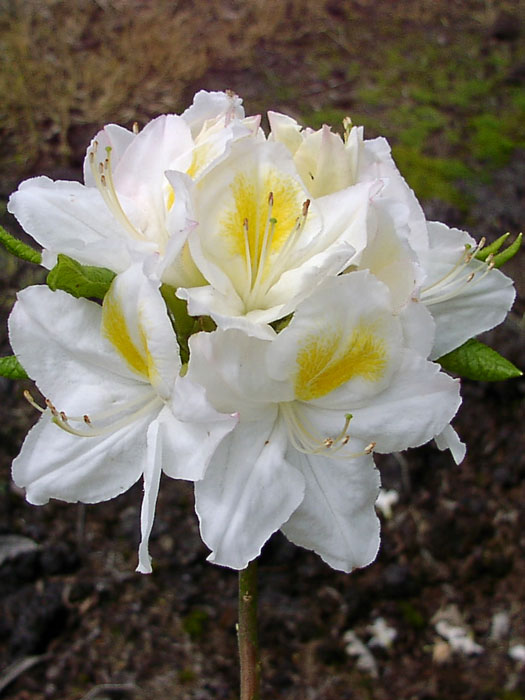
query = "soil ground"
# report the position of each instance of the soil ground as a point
(76, 622)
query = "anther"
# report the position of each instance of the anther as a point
(369, 448)
(306, 206)
(270, 199)
(86, 419)
(135, 127)
(63, 416)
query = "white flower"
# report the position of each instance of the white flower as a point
(116, 408)
(261, 243)
(127, 210)
(341, 380)
(464, 295)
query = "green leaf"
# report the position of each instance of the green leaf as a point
(11, 368)
(475, 360)
(19, 249)
(79, 280)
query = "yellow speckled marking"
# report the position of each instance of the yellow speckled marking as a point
(115, 329)
(250, 204)
(325, 363)
(202, 155)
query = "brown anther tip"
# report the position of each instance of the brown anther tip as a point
(328, 442)
(91, 156)
(482, 243)
(63, 416)
(345, 440)
(100, 168)
(306, 206)
(135, 127)
(369, 448)
(270, 198)
(27, 394)
(86, 419)
(245, 223)
(471, 277)
(103, 179)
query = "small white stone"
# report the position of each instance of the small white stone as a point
(517, 652)
(385, 500)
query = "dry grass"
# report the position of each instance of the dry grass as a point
(65, 64)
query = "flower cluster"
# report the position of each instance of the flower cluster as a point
(276, 305)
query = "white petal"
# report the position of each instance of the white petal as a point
(417, 405)
(191, 431)
(210, 105)
(248, 492)
(448, 439)
(231, 366)
(56, 464)
(135, 317)
(478, 306)
(67, 217)
(152, 473)
(57, 339)
(111, 136)
(337, 517)
(285, 130)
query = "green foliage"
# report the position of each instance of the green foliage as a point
(79, 280)
(475, 360)
(11, 368)
(19, 249)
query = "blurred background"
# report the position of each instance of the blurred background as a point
(445, 84)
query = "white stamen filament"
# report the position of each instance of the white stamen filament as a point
(458, 277)
(258, 258)
(100, 424)
(304, 439)
(103, 177)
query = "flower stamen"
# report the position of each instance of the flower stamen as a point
(455, 281)
(304, 439)
(103, 177)
(102, 424)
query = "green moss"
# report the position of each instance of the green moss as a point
(489, 142)
(187, 675)
(432, 177)
(411, 615)
(195, 622)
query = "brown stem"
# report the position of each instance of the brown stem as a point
(247, 633)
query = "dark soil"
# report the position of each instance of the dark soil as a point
(77, 622)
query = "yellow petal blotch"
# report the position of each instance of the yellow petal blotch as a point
(251, 212)
(326, 362)
(116, 331)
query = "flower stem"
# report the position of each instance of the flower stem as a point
(247, 633)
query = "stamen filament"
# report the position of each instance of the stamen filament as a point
(104, 180)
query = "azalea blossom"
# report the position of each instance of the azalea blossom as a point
(261, 243)
(314, 402)
(127, 210)
(424, 260)
(116, 408)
